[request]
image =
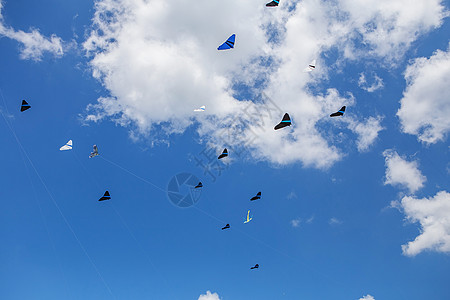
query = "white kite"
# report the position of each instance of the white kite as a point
(67, 146)
(202, 108)
(311, 66)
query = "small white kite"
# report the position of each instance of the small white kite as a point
(311, 66)
(67, 146)
(202, 108)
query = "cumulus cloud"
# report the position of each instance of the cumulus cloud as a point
(401, 172)
(367, 297)
(425, 106)
(159, 63)
(33, 43)
(367, 131)
(376, 85)
(433, 215)
(209, 296)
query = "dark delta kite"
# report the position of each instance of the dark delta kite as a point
(285, 122)
(226, 227)
(273, 3)
(106, 196)
(257, 197)
(255, 267)
(25, 106)
(94, 153)
(229, 44)
(224, 154)
(199, 185)
(339, 113)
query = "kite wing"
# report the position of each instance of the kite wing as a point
(199, 185)
(106, 196)
(67, 146)
(202, 108)
(339, 113)
(226, 227)
(285, 122)
(258, 196)
(273, 3)
(255, 267)
(25, 106)
(224, 154)
(228, 43)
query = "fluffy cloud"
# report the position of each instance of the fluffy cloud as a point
(209, 296)
(425, 106)
(158, 63)
(367, 132)
(401, 172)
(433, 215)
(33, 43)
(376, 85)
(367, 297)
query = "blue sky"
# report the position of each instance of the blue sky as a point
(343, 199)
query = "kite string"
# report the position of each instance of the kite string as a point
(44, 220)
(57, 206)
(221, 221)
(131, 173)
(125, 224)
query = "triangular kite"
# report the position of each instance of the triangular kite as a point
(25, 106)
(106, 196)
(228, 44)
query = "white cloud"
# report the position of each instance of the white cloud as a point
(33, 43)
(159, 63)
(291, 195)
(295, 222)
(425, 105)
(433, 214)
(367, 297)
(309, 221)
(376, 85)
(367, 132)
(209, 296)
(334, 221)
(401, 172)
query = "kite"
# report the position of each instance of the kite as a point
(94, 153)
(202, 108)
(25, 106)
(248, 219)
(199, 185)
(224, 154)
(311, 66)
(67, 146)
(257, 197)
(226, 227)
(273, 3)
(255, 267)
(285, 122)
(339, 113)
(106, 196)
(229, 44)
